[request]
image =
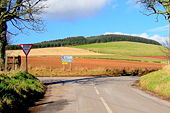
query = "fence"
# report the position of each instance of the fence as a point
(12, 63)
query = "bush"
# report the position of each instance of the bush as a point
(19, 91)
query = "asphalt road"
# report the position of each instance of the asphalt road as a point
(97, 95)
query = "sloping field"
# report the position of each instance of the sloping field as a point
(131, 51)
(124, 48)
(53, 52)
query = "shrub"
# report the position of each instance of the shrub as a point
(19, 91)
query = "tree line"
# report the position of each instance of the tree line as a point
(80, 40)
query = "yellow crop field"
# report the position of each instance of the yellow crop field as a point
(55, 51)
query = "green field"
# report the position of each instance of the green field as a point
(124, 48)
(157, 82)
(112, 57)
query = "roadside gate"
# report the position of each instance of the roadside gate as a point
(12, 63)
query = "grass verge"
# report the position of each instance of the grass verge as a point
(157, 82)
(18, 91)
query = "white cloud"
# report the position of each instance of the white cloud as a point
(66, 10)
(133, 3)
(162, 28)
(144, 35)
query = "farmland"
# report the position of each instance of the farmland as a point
(95, 59)
(52, 66)
(124, 48)
(55, 51)
(131, 51)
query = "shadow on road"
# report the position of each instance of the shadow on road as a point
(89, 80)
(58, 105)
(81, 81)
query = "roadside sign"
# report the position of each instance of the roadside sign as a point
(66, 59)
(64, 62)
(26, 48)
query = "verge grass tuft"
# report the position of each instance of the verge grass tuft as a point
(157, 82)
(19, 91)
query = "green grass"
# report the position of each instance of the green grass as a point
(19, 89)
(123, 48)
(157, 82)
(112, 57)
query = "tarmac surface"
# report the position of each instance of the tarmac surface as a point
(96, 95)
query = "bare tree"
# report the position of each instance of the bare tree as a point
(159, 7)
(21, 14)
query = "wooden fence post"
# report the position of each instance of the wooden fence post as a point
(19, 62)
(13, 62)
(6, 62)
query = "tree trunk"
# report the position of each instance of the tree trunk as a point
(3, 43)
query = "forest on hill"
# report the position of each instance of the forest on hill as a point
(80, 40)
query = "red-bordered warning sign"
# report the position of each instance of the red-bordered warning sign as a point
(26, 48)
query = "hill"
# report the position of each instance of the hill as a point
(55, 51)
(124, 48)
(80, 40)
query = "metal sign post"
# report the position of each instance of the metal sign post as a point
(26, 49)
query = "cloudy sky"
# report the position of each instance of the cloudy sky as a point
(67, 18)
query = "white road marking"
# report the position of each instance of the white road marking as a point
(96, 90)
(106, 106)
(103, 101)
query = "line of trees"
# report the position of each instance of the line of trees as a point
(80, 40)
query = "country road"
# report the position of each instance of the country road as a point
(97, 95)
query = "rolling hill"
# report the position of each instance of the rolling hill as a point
(80, 40)
(55, 51)
(124, 48)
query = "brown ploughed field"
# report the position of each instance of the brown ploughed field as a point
(52, 66)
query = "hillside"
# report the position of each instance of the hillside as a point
(56, 51)
(80, 40)
(112, 48)
(124, 48)
(130, 51)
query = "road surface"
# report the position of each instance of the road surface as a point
(97, 95)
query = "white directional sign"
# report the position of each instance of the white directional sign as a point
(67, 59)
(26, 48)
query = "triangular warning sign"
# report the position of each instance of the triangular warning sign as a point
(26, 48)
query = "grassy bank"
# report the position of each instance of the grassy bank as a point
(157, 82)
(19, 90)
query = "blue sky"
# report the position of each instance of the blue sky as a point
(67, 18)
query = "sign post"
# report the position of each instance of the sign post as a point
(26, 49)
(66, 60)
